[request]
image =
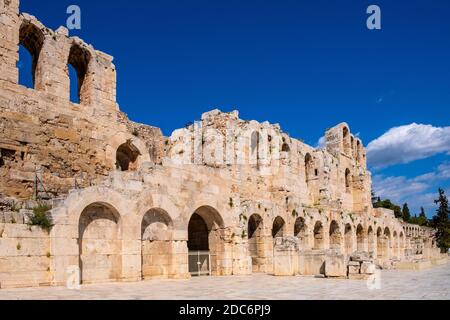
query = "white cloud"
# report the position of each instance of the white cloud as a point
(408, 143)
(321, 143)
(396, 188)
(420, 191)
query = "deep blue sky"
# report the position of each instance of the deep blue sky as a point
(307, 65)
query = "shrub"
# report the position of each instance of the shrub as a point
(41, 218)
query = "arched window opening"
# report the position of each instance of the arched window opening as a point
(346, 140)
(126, 157)
(79, 59)
(358, 151)
(255, 145)
(348, 180)
(352, 145)
(285, 148)
(31, 40)
(309, 168)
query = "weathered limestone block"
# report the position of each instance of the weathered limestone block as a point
(368, 268)
(354, 267)
(361, 256)
(312, 262)
(89, 155)
(335, 266)
(285, 258)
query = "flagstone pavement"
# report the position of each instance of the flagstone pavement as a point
(427, 284)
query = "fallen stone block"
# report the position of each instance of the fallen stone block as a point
(368, 268)
(335, 266)
(359, 276)
(361, 256)
(354, 270)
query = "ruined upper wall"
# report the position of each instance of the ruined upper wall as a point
(263, 151)
(48, 144)
(52, 52)
(66, 145)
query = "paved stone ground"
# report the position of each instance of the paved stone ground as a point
(428, 284)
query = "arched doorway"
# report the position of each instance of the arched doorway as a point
(395, 244)
(371, 240)
(335, 236)
(278, 228)
(380, 243)
(348, 243)
(301, 232)
(309, 168)
(100, 245)
(205, 242)
(156, 235)
(360, 238)
(348, 180)
(256, 149)
(402, 245)
(387, 244)
(319, 241)
(256, 246)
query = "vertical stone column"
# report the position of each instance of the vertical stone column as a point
(242, 261)
(180, 264)
(53, 76)
(101, 79)
(9, 40)
(131, 249)
(64, 250)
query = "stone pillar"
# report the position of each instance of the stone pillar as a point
(242, 262)
(9, 40)
(179, 261)
(64, 250)
(53, 77)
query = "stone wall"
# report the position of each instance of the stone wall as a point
(130, 204)
(25, 256)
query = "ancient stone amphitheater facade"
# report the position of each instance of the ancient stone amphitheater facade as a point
(222, 196)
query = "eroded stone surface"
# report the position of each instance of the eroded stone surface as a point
(130, 204)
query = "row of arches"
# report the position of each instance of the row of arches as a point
(102, 247)
(31, 44)
(345, 239)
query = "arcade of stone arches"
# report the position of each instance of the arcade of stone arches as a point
(102, 248)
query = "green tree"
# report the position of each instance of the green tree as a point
(441, 222)
(422, 220)
(406, 214)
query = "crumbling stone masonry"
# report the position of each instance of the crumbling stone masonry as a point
(222, 196)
